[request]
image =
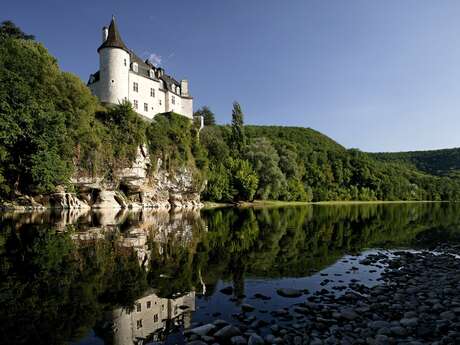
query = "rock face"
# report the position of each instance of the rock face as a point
(139, 186)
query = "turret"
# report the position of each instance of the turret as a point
(114, 61)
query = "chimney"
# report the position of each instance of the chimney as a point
(184, 87)
(105, 33)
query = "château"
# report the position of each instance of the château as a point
(124, 76)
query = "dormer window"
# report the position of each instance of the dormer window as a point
(135, 67)
(152, 74)
(162, 84)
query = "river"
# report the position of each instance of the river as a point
(123, 277)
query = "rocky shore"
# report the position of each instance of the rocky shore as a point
(143, 185)
(416, 301)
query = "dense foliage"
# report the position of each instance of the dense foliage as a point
(437, 162)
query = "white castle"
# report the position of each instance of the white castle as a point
(123, 76)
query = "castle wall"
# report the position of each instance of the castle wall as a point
(155, 104)
(187, 107)
(114, 71)
(162, 102)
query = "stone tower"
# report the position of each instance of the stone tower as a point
(114, 62)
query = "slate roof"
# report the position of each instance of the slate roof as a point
(113, 38)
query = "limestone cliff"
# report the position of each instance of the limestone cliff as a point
(140, 186)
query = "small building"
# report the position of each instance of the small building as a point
(124, 76)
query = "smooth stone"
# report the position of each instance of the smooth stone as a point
(220, 323)
(447, 315)
(227, 332)
(412, 322)
(261, 296)
(238, 340)
(381, 340)
(269, 338)
(290, 293)
(255, 339)
(247, 308)
(398, 331)
(349, 315)
(203, 330)
(378, 324)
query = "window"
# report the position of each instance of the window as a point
(146, 107)
(135, 87)
(151, 73)
(162, 307)
(152, 92)
(135, 69)
(159, 101)
(138, 307)
(136, 104)
(173, 100)
(155, 318)
(149, 304)
(139, 323)
(124, 62)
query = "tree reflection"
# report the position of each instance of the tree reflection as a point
(60, 273)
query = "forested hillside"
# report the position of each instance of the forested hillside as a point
(301, 164)
(52, 129)
(436, 162)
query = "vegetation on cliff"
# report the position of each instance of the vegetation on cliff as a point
(53, 129)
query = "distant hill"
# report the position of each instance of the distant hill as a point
(444, 162)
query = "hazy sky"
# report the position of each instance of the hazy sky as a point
(379, 76)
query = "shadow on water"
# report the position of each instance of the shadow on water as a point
(123, 277)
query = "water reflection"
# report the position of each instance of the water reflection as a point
(152, 319)
(61, 274)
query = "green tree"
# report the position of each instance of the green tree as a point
(244, 179)
(208, 116)
(264, 160)
(238, 137)
(10, 30)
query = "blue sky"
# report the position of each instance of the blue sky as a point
(379, 76)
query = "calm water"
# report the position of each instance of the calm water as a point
(126, 278)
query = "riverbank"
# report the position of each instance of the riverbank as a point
(277, 203)
(415, 302)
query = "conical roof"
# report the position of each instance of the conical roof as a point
(113, 38)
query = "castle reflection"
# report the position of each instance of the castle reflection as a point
(152, 319)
